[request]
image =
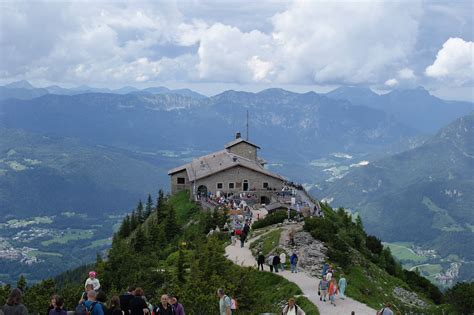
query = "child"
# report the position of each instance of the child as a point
(93, 280)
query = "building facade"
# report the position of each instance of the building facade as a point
(235, 169)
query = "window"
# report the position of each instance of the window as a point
(231, 185)
(181, 180)
(265, 185)
(219, 185)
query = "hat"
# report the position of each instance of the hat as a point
(92, 273)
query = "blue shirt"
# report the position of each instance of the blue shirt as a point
(97, 310)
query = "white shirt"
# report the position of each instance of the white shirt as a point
(95, 283)
(282, 258)
(292, 311)
(328, 276)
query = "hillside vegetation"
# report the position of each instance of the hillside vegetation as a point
(422, 195)
(166, 250)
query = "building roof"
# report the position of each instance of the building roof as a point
(216, 162)
(239, 140)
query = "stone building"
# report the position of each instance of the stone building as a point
(235, 169)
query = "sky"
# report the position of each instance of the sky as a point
(211, 46)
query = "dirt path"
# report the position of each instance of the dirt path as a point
(308, 284)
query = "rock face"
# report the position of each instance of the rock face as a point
(311, 253)
(408, 297)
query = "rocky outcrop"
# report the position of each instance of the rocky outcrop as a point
(311, 253)
(408, 297)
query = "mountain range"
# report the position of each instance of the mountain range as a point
(155, 128)
(414, 107)
(422, 195)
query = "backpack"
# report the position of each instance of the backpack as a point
(81, 309)
(91, 308)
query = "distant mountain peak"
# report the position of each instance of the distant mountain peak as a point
(22, 84)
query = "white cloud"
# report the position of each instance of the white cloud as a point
(391, 82)
(346, 42)
(406, 74)
(454, 62)
(227, 54)
(267, 42)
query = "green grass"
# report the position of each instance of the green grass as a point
(183, 206)
(267, 242)
(402, 252)
(69, 235)
(277, 290)
(36, 253)
(100, 243)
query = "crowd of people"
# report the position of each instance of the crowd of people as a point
(93, 301)
(277, 262)
(329, 287)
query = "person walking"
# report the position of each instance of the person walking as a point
(243, 237)
(333, 290)
(164, 307)
(323, 289)
(93, 280)
(282, 261)
(14, 305)
(126, 298)
(325, 269)
(291, 308)
(386, 310)
(342, 287)
(178, 308)
(294, 263)
(329, 274)
(52, 303)
(224, 303)
(270, 262)
(276, 262)
(260, 261)
(137, 303)
(114, 306)
(58, 306)
(91, 304)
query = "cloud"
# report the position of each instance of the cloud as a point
(344, 42)
(267, 42)
(391, 82)
(406, 74)
(454, 63)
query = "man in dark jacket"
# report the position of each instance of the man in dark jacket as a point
(260, 261)
(276, 262)
(125, 300)
(164, 308)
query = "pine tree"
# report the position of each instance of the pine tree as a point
(21, 284)
(139, 240)
(125, 228)
(134, 221)
(140, 212)
(171, 225)
(149, 206)
(358, 223)
(160, 206)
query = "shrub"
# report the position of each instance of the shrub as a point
(273, 218)
(374, 244)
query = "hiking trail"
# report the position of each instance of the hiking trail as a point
(307, 283)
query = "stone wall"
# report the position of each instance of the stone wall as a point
(238, 175)
(175, 187)
(244, 149)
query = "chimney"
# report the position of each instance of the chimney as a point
(237, 135)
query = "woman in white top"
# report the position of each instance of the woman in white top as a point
(282, 261)
(93, 280)
(292, 309)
